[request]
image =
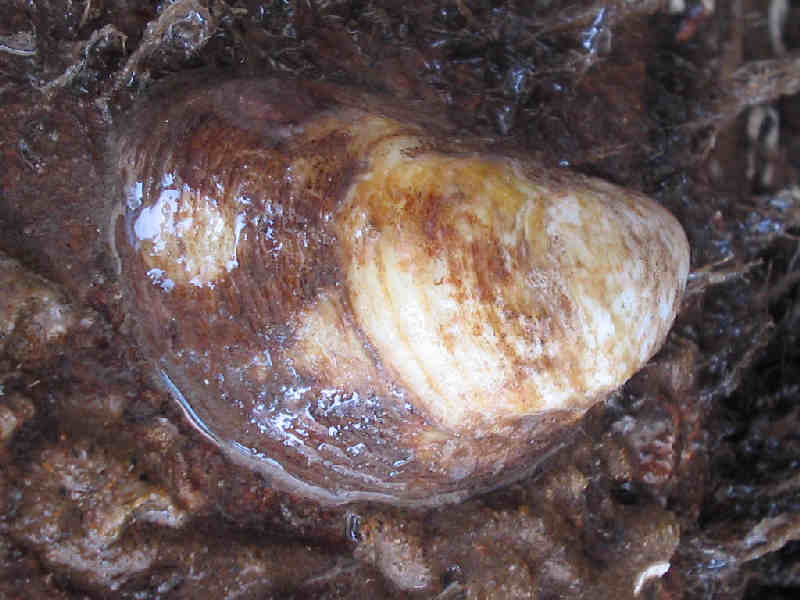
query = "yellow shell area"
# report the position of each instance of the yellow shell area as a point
(490, 296)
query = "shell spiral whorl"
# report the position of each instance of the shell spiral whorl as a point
(361, 307)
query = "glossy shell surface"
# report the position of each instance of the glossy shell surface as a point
(361, 306)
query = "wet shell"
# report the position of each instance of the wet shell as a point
(362, 307)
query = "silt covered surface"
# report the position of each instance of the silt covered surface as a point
(681, 485)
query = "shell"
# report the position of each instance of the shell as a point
(363, 307)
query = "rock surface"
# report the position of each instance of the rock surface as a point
(681, 485)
